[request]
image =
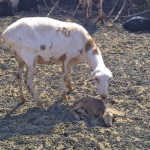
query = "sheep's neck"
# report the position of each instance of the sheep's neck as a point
(96, 61)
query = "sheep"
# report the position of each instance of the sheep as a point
(43, 40)
(88, 4)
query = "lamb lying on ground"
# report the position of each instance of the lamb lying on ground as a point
(91, 108)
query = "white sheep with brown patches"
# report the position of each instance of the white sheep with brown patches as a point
(42, 40)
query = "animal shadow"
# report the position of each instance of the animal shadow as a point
(36, 121)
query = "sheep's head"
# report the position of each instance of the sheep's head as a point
(102, 81)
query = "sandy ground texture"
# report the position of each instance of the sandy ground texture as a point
(29, 128)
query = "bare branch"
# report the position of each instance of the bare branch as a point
(52, 9)
(121, 10)
(113, 9)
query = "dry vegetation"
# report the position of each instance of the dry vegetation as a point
(126, 54)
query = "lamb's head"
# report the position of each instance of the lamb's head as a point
(102, 80)
(108, 118)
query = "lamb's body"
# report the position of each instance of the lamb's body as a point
(44, 40)
(92, 107)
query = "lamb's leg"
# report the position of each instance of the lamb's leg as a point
(19, 78)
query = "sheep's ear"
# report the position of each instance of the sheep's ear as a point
(106, 72)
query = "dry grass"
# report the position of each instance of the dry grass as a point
(126, 54)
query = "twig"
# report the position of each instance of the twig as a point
(121, 10)
(76, 9)
(113, 9)
(52, 9)
(45, 3)
(130, 9)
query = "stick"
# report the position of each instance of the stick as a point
(52, 9)
(121, 10)
(76, 9)
(45, 4)
(130, 9)
(113, 9)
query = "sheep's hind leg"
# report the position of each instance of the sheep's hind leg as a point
(20, 80)
(67, 69)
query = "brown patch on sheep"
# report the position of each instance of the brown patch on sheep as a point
(63, 58)
(19, 60)
(42, 47)
(65, 31)
(96, 51)
(40, 60)
(90, 43)
(74, 60)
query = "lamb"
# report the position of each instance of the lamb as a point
(43, 40)
(92, 107)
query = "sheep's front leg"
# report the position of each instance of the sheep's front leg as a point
(29, 82)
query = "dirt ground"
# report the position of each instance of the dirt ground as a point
(30, 128)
